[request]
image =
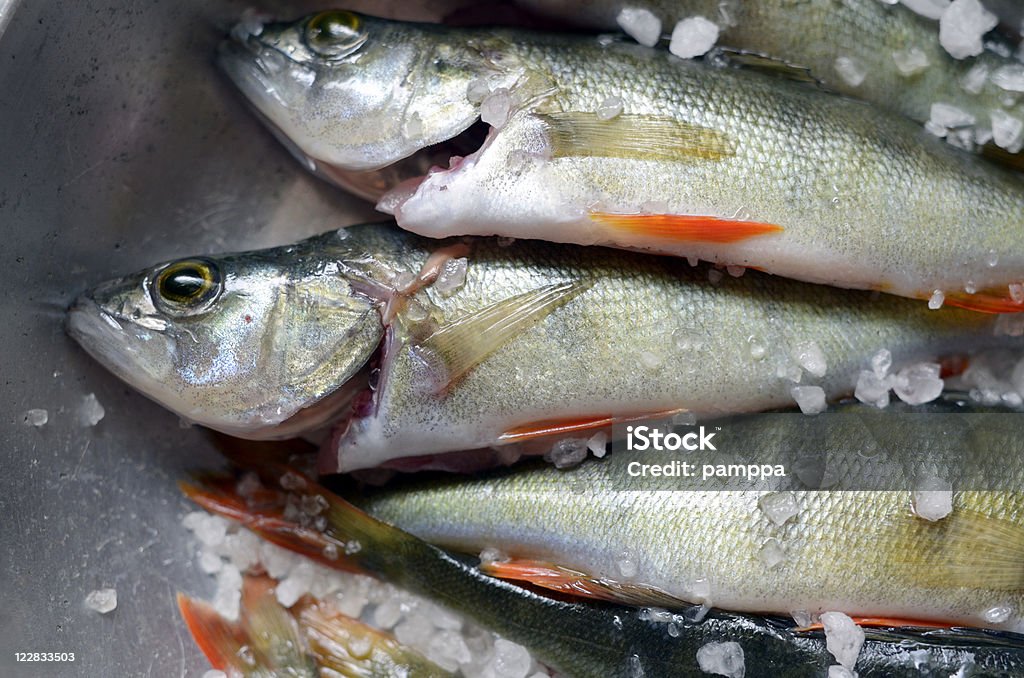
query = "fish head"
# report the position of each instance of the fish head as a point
(354, 92)
(259, 345)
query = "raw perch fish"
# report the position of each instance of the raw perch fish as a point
(620, 641)
(602, 142)
(414, 346)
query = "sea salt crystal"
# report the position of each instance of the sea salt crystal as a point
(493, 555)
(277, 561)
(974, 80)
(933, 498)
(650, 360)
(295, 585)
(1007, 131)
(802, 618)
(1009, 77)
(936, 300)
(214, 673)
(714, 276)
(992, 259)
(723, 659)
(598, 444)
(811, 399)
(910, 62)
(641, 25)
(873, 389)
(388, 613)
(210, 562)
(609, 109)
(843, 638)
(90, 412)
(102, 600)
(510, 660)
(657, 615)
(567, 452)
(962, 26)
(211, 530)
(37, 418)
(755, 349)
(810, 357)
(919, 384)
(693, 37)
(452, 276)
(495, 109)
(779, 506)
(448, 649)
(229, 592)
(949, 116)
(840, 671)
(736, 271)
(932, 9)
(415, 630)
(997, 614)
(1017, 293)
(881, 362)
(850, 70)
(771, 553)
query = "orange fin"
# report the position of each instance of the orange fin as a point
(218, 638)
(551, 427)
(989, 300)
(579, 584)
(886, 622)
(686, 227)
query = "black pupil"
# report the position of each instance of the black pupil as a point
(184, 284)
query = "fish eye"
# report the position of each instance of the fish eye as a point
(335, 34)
(187, 287)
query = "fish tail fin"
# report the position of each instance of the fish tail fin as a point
(219, 639)
(268, 639)
(296, 513)
(990, 300)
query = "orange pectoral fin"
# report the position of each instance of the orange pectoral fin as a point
(686, 227)
(885, 622)
(554, 427)
(989, 300)
(577, 584)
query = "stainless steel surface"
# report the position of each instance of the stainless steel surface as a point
(120, 145)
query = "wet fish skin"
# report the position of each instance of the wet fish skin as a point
(601, 640)
(631, 335)
(862, 552)
(650, 334)
(814, 34)
(264, 353)
(360, 112)
(836, 191)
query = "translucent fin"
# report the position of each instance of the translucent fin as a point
(219, 639)
(767, 64)
(356, 650)
(885, 623)
(990, 300)
(460, 345)
(974, 551)
(579, 584)
(272, 633)
(685, 227)
(634, 137)
(552, 427)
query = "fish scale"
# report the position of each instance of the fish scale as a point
(748, 169)
(861, 552)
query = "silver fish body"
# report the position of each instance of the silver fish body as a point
(714, 163)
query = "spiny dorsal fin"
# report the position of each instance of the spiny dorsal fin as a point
(636, 137)
(460, 345)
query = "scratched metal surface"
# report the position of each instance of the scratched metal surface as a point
(120, 145)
